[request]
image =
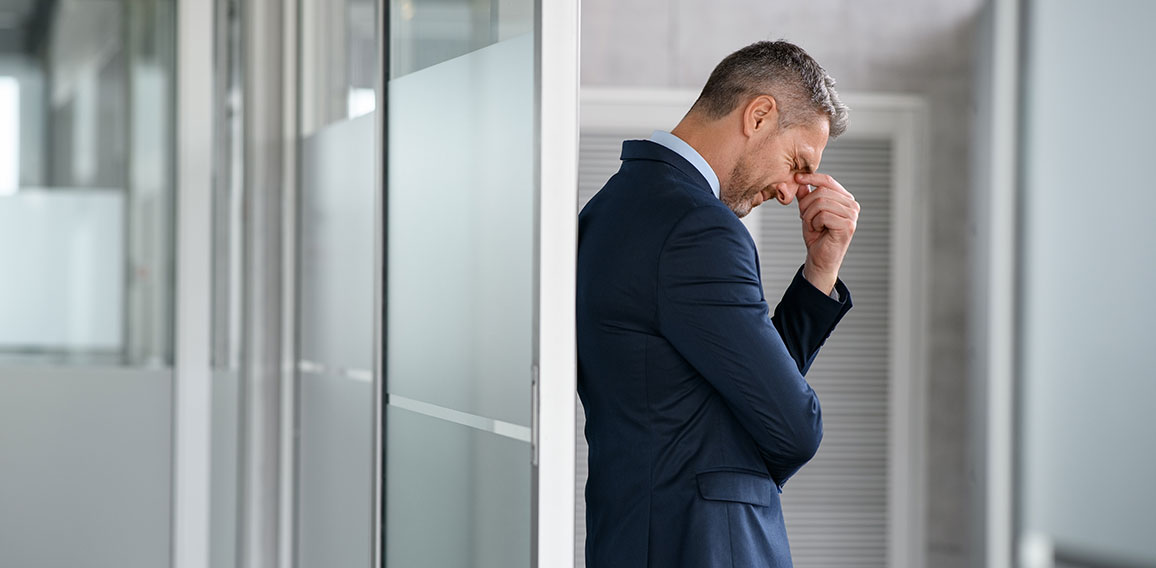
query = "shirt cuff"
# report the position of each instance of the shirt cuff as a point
(837, 293)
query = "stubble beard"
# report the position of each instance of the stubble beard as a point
(741, 190)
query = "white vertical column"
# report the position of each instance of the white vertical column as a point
(262, 380)
(192, 390)
(994, 262)
(557, 126)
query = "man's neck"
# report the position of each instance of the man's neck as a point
(710, 145)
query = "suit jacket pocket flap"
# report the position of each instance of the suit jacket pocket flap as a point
(736, 486)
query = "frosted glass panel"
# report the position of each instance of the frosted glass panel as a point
(335, 433)
(1088, 393)
(456, 496)
(337, 245)
(460, 226)
(335, 497)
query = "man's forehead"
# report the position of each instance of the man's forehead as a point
(809, 145)
(808, 157)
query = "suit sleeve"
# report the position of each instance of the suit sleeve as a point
(711, 309)
(805, 318)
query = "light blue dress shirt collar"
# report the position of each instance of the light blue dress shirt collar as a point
(691, 155)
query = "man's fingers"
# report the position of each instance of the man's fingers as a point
(828, 206)
(831, 221)
(842, 196)
(810, 216)
(837, 209)
(826, 198)
(819, 180)
(822, 180)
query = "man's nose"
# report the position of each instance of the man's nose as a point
(785, 193)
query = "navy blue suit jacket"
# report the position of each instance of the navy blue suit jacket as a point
(697, 411)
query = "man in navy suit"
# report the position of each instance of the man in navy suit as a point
(697, 411)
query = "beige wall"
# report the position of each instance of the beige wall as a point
(925, 48)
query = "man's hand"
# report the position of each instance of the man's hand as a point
(829, 215)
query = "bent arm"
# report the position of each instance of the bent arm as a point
(711, 309)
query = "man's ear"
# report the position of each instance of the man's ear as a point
(760, 116)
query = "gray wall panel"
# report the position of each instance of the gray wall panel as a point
(1088, 365)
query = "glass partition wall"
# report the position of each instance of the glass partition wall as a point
(375, 304)
(337, 247)
(435, 271)
(86, 185)
(86, 298)
(460, 290)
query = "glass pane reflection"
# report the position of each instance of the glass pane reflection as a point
(86, 191)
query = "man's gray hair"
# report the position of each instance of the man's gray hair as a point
(801, 88)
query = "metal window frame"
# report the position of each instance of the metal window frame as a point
(380, 274)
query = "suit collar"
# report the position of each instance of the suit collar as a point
(648, 150)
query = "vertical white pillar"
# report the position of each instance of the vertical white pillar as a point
(994, 262)
(557, 126)
(192, 392)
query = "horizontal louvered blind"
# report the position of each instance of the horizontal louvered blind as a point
(598, 154)
(836, 508)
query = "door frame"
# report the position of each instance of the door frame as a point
(554, 375)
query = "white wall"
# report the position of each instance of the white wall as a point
(921, 47)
